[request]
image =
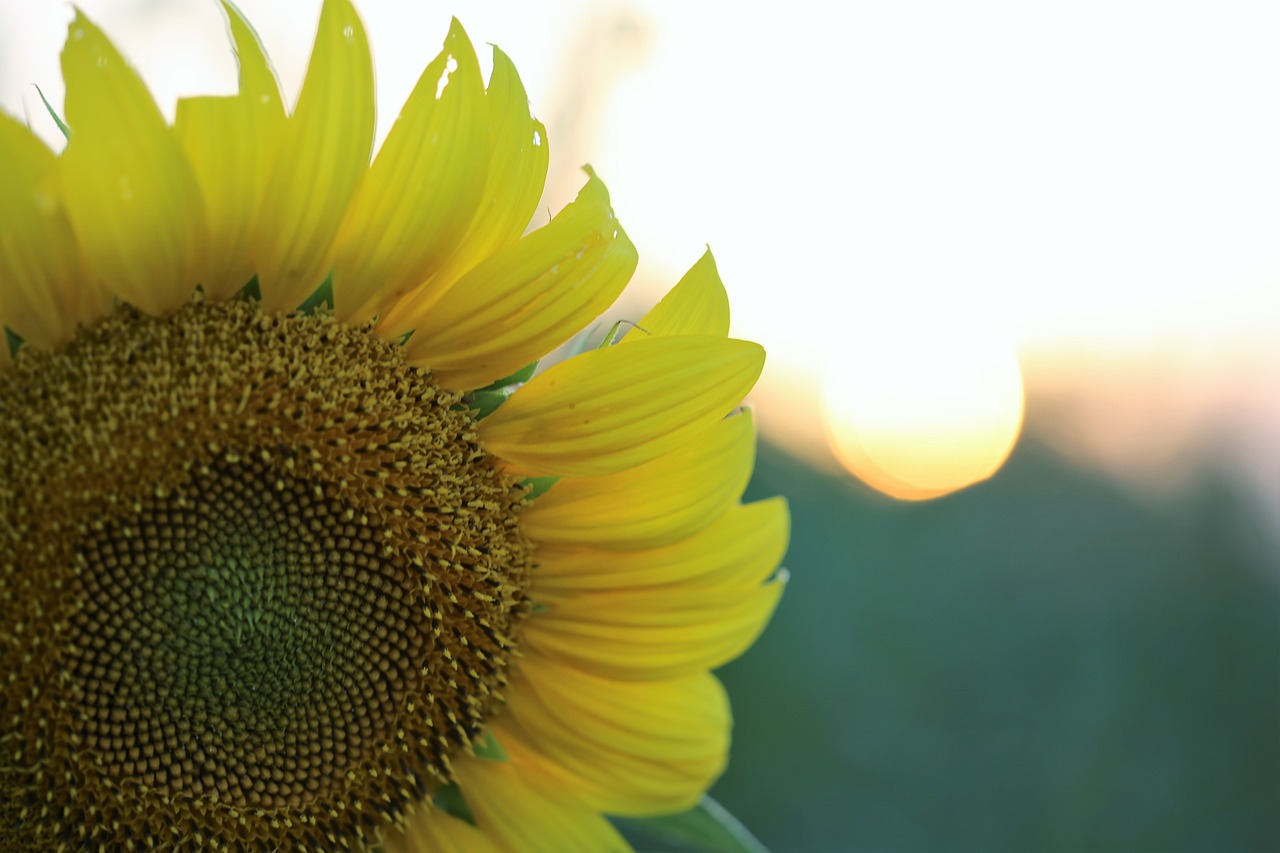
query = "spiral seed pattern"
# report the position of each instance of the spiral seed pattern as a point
(258, 583)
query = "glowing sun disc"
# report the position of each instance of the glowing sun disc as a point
(920, 409)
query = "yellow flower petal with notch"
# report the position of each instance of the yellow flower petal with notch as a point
(229, 142)
(517, 170)
(437, 150)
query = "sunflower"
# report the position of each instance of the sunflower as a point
(299, 550)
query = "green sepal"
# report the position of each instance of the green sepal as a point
(520, 377)
(485, 403)
(322, 295)
(707, 828)
(538, 486)
(489, 749)
(13, 340)
(57, 119)
(251, 292)
(449, 800)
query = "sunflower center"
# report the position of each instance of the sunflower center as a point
(236, 638)
(264, 580)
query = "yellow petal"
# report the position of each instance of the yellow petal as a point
(654, 634)
(524, 805)
(41, 296)
(430, 830)
(618, 407)
(653, 504)
(415, 203)
(527, 299)
(130, 194)
(258, 82)
(229, 142)
(697, 305)
(516, 174)
(322, 153)
(742, 548)
(633, 747)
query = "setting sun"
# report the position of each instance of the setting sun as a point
(920, 409)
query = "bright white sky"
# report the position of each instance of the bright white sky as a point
(1067, 176)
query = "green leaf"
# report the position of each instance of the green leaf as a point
(251, 292)
(57, 119)
(490, 750)
(449, 800)
(323, 295)
(706, 828)
(485, 403)
(12, 340)
(538, 486)
(520, 377)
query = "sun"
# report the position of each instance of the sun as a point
(920, 408)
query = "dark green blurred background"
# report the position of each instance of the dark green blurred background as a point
(1041, 662)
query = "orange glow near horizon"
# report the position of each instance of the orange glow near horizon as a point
(920, 415)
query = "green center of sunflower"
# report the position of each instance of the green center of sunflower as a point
(261, 582)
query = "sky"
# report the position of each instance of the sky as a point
(877, 180)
